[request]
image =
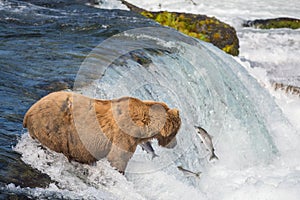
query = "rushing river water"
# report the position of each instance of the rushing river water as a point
(41, 48)
(50, 46)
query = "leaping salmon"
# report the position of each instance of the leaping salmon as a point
(188, 172)
(149, 149)
(207, 141)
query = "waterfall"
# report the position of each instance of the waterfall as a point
(208, 87)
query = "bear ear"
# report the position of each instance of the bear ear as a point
(174, 112)
(151, 103)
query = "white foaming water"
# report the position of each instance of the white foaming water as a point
(258, 148)
(277, 51)
(74, 180)
(109, 4)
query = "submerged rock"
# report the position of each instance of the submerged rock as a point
(14, 170)
(205, 28)
(289, 89)
(273, 23)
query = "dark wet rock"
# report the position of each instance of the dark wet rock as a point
(13, 170)
(273, 23)
(205, 28)
(55, 85)
(11, 196)
(289, 89)
(142, 57)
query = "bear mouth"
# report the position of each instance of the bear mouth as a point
(172, 143)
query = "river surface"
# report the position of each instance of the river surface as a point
(41, 48)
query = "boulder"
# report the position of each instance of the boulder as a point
(283, 22)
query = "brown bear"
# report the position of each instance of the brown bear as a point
(86, 129)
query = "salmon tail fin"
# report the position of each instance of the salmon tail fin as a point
(213, 156)
(154, 155)
(198, 174)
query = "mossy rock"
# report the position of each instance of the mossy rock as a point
(205, 28)
(273, 23)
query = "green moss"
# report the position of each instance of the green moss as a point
(147, 14)
(181, 23)
(230, 49)
(282, 24)
(217, 36)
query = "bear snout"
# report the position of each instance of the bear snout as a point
(172, 144)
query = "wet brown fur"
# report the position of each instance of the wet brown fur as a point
(86, 129)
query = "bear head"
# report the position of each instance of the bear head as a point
(164, 121)
(167, 136)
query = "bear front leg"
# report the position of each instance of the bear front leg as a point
(119, 158)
